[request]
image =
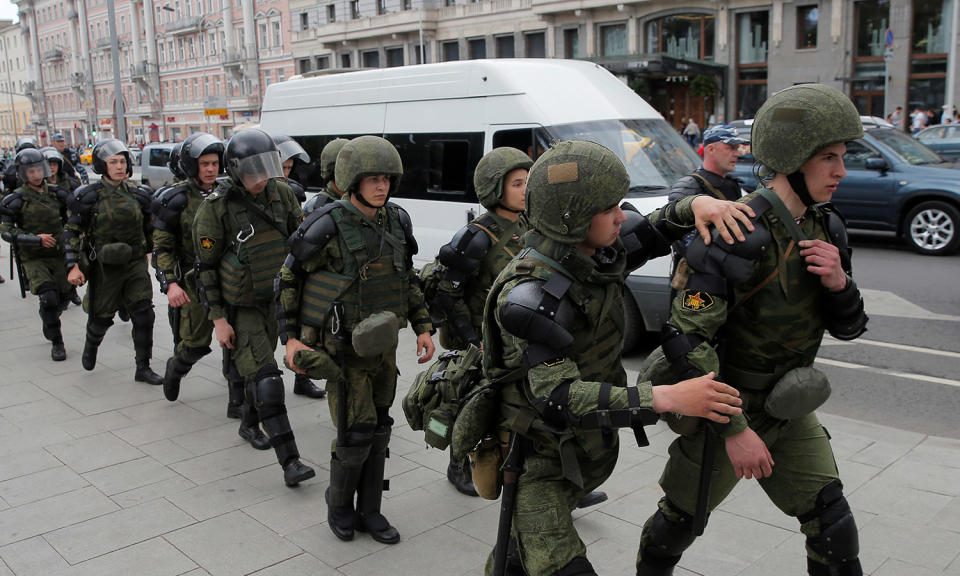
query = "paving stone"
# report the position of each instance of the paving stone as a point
(320, 542)
(117, 530)
(226, 463)
(892, 502)
(49, 409)
(21, 393)
(422, 554)
(911, 543)
(918, 473)
(30, 437)
(949, 517)
(232, 544)
(33, 557)
(52, 513)
(217, 498)
(789, 558)
(155, 557)
(166, 451)
(25, 463)
(298, 565)
(297, 509)
(92, 452)
(161, 419)
(730, 544)
(164, 489)
(209, 439)
(40, 485)
(90, 425)
(128, 475)
(894, 567)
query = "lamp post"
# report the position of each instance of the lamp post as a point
(121, 132)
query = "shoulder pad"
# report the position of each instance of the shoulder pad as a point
(167, 205)
(85, 197)
(836, 226)
(466, 250)
(313, 233)
(733, 262)
(298, 190)
(539, 311)
(315, 203)
(407, 224)
(11, 204)
(641, 239)
(685, 186)
(63, 193)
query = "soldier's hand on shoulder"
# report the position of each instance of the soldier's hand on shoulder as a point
(823, 259)
(724, 216)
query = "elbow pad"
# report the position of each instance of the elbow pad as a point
(85, 198)
(676, 345)
(538, 312)
(407, 224)
(463, 255)
(166, 207)
(298, 190)
(312, 234)
(641, 239)
(843, 312)
(30, 240)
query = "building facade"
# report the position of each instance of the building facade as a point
(185, 65)
(689, 58)
(15, 107)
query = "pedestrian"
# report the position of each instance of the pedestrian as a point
(721, 149)
(71, 160)
(349, 279)
(240, 234)
(10, 179)
(106, 238)
(896, 118)
(31, 219)
(174, 209)
(328, 164)
(691, 132)
(552, 336)
(917, 121)
(756, 316)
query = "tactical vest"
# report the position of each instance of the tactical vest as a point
(255, 249)
(187, 252)
(780, 325)
(507, 240)
(40, 213)
(366, 284)
(117, 217)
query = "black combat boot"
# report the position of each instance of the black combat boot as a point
(177, 367)
(304, 386)
(142, 320)
(592, 499)
(370, 492)
(459, 475)
(57, 352)
(96, 329)
(50, 316)
(234, 398)
(341, 514)
(250, 427)
(283, 442)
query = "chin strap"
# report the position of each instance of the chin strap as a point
(501, 205)
(799, 185)
(364, 200)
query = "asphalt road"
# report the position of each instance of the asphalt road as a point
(905, 371)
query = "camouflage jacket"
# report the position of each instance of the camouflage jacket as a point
(173, 248)
(38, 212)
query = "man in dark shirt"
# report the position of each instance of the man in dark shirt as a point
(721, 149)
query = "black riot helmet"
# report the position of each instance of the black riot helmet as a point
(290, 148)
(106, 148)
(173, 162)
(29, 158)
(252, 157)
(195, 146)
(24, 142)
(52, 155)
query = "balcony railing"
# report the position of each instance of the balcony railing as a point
(231, 57)
(103, 43)
(184, 25)
(52, 55)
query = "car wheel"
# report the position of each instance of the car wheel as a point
(932, 228)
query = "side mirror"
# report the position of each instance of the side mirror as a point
(877, 164)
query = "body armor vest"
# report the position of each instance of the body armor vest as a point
(40, 213)
(375, 278)
(507, 241)
(117, 217)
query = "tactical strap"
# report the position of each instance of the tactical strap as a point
(710, 187)
(251, 207)
(494, 237)
(781, 210)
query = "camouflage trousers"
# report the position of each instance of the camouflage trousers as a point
(112, 287)
(543, 511)
(369, 383)
(803, 466)
(255, 341)
(49, 271)
(196, 330)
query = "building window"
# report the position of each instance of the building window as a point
(322, 62)
(505, 46)
(613, 40)
(872, 18)
(304, 20)
(345, 60)
(354, 9)
(807, 19)
(928, 53)
(477, 48)
(266, 78)
(280, 75)
(450, 51)
(381, 7)
(303, 65)
(420, 50)
(535, 45)
(262, 38)
(394, 57)
(407, 4)
(277, 38)
(685, 36)
(571, 43)
(331, 13)
(752, 35)
(370, 59)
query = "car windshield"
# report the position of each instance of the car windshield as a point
(652, 151)
(908, 148)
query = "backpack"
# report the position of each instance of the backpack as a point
(434, 399)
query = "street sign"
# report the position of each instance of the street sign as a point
(889, 38)
(247, 113)
(215, 112)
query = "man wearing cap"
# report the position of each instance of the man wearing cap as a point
(721, 149)
(71, 161)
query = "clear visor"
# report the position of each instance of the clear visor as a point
(290, 149)
(259, 168)
(110, 148)
(203, 142)
(35, 171)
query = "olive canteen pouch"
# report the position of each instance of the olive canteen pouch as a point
(798, 393)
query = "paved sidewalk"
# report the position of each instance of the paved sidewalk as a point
(99, 475)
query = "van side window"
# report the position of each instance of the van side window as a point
(159, 157)
(448, 166)
(438, 166)
(523, 139)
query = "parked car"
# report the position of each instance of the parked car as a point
(86, 156)
(894, 183)
(943, 139)
(154, 160)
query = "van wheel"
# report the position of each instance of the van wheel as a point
(633, 326)
(932, 228)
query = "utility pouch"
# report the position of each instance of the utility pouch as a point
(115, 253)
(375, 335)
(438, 428)
(798, 393)
(485, 468)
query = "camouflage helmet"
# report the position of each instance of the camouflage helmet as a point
(367, 156)
(799, 121)
(328, 158)
(492, 169)
(569, 184)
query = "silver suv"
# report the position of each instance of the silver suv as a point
(154, 164)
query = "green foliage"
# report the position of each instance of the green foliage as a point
(703, 85)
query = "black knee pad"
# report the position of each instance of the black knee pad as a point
(141, 313)
(193, 355)
(48, 295)
(838, 540)
(664, 540)
(353, 456)
(579, 566)
(360, 435)
(97, 327)
(268, 389)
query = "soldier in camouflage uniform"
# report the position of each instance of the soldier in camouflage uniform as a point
(292, 153)
(552, 335)
(10, 180)
(240, 235)
(328, 165)
(106, 239)
(358, 252)
(31, 218)
(71, 160)
(756, 314)
(174, 209)
(64, 185)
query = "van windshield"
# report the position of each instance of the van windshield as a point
(654, 154)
